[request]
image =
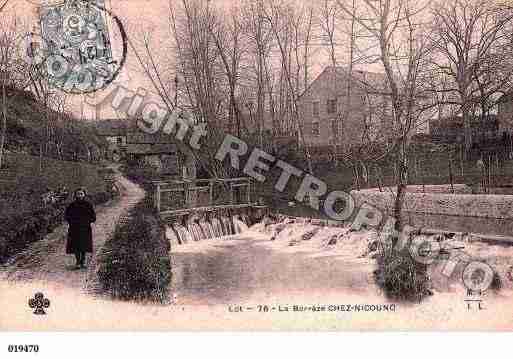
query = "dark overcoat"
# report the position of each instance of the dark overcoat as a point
(79, 215)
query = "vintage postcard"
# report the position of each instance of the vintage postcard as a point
(256, 165)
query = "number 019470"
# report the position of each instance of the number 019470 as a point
(23, 348)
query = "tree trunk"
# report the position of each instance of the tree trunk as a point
(4, 123)
(402, 170)
(450, 176)
(40, 158)
(467, 130)
(398, 205)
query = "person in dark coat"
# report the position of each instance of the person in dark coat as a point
(79, 215)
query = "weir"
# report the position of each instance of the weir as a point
(203, 209)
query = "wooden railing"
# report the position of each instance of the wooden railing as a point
(186, 195)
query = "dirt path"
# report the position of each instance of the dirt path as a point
(46, 262)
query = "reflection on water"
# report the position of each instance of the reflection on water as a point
(235, 272)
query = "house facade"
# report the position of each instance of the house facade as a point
(159, 150)
(333, 115)
(114, 131)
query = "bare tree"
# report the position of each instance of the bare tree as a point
(399, 36)
(284, 23)
(473, 43)
(13, 70)
(228, 36)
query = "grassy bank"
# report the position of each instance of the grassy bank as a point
(25, 179)
(19, 231)
(134, 263)
(24, 218)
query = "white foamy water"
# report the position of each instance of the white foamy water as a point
(207, 229)
(217, 227)
(238, 225)
(227, 226)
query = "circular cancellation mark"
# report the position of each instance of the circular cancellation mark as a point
(74, 46)
(477, 276)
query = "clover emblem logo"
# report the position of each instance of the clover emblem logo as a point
(39, 303)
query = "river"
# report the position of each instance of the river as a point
(235, 271)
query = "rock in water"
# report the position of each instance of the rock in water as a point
(333, 240)
(245, 219)
(310, 234)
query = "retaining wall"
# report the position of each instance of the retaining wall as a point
(445, 204)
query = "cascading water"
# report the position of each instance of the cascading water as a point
(202, 234)
(217, 227)
(227, 226)
(238, 225)
(195, 230)
(207, 229)
(183, 234)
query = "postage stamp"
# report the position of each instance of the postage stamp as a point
(77, 40)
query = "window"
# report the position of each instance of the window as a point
(331, 106)
(315, 108)
(315, 129)
(119, 140)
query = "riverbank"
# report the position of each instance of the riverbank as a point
(340, 307)
(250, 282)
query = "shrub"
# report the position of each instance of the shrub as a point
(134, 263)
(400, 276)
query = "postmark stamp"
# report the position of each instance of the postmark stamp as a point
(78, 55)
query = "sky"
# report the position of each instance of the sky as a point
(138, 17)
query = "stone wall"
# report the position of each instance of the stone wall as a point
(445, 204)
(444, 188)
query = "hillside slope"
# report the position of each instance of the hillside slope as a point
(33, 127)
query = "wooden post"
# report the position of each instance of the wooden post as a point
(378, 179)
(510, 145)
(423, 180)
(450, 175)
(211, 193)
(357, 179)
(249, 191)
(461, 161)
(157, 197)
(186, 194)
(489, 172)
(415, 167)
